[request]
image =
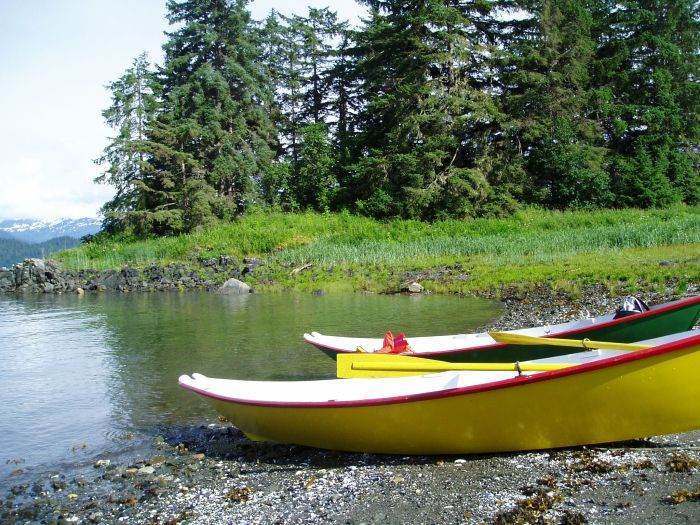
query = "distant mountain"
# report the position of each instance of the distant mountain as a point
(13, 251)
(35, 230)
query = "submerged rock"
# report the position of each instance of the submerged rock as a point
(234, 287)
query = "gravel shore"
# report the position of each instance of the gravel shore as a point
(213, 474)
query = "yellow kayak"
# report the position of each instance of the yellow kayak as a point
(600, 396)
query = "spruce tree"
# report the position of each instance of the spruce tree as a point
(553, 141)
(343, 86)
(299, 56)
(316, 184)
(343, 108)
(318, 30)
(430, 109)
(134, 102)
(215, 139)
(270, 36)
(282, 44)
(421, 135)
(649, 65)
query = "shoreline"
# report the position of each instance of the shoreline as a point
(627, 250)
(211, 473)
(227, 275)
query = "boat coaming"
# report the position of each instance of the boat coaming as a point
(624, 396)
(660, 320)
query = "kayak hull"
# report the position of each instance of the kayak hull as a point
(678, 317)
(653, 392)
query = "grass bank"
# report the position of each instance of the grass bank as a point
(627, 248)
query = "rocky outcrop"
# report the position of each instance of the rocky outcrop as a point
(45, 276)
(34, 275)
(229, 265)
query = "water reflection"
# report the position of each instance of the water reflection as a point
(85, 370)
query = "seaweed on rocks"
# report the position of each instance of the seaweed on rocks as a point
(683, 495)
(680, 462)
(531, 509)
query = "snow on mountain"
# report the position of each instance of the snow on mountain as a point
(36, 230)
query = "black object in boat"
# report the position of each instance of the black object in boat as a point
(630, 305)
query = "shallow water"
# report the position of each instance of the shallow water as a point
(82, 376)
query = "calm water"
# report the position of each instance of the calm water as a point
(91, 375)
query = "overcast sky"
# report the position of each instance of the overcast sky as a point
(55, 58)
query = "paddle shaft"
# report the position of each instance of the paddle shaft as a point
(445, 367)
(520, 339)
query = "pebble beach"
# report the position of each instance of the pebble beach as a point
(210, 473)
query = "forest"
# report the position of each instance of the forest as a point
(14, 250)
(428, 110)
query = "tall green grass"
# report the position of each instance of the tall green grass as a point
(347, 252)
(543, 244)
(327, 238)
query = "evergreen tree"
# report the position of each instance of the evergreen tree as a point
(300, 54)
(422, 128)
(134, 102)
(214, 140)
(316, 183)
(553, 141)
(318, 29)
(430, 109)
(275, 183)
(343, 108)
(649, 65)
(283, 51)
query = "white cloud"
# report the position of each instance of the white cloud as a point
(48, 189)
(55, 63)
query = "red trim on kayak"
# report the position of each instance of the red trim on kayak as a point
(653, 311)
(690, 341)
